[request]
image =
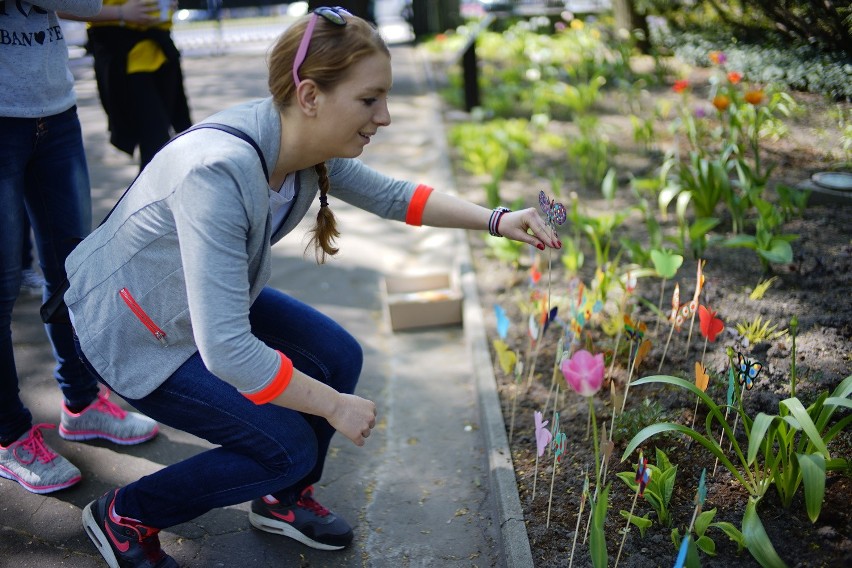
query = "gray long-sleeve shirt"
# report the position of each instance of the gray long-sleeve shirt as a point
(191, 242)
(34, 77)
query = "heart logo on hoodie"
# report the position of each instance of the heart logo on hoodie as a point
(39, 37)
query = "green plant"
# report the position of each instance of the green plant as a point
(770, 458)
(704, 543)
(770, 246)
(659, 490)
(753, 477)
(629, 422)
(505, 250)
(597, 538)
(589, 152)
(796, 448)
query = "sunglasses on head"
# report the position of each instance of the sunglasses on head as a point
(333, 15)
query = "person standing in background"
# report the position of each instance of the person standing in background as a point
(139, 75)
(31, 281)
(44, 179)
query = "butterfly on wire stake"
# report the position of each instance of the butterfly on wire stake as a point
(554, 212)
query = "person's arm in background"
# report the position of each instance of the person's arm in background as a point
(80, 8)
(445, 210)
(136, 11)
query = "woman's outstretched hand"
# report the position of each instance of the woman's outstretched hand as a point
(517, 225)
(354, 417)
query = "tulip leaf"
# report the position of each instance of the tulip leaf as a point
(813, 477)
(756, 539)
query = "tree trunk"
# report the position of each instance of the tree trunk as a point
(626, 17)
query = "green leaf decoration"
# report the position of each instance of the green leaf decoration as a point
(666, 263)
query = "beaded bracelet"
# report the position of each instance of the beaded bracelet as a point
(494, 220)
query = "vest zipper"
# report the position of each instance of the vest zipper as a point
(137, 310)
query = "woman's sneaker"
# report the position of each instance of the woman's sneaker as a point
(123, 542)
(305, 520)
(104, 419)
(31, 462)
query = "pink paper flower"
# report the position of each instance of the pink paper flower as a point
(584, 372)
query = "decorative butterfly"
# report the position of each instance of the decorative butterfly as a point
(701, 495)
(702, 378)
(680, 561)
(643, 474)
(642, 352)
(747, 370)
(634, 331)
(630, 282)
(561, 441)
(554, 213)
(682, 312)
(533, 327)
(542, 434)
(711, 326)
(505, 356)
(535, 275)
(554, 428)
(502, 321)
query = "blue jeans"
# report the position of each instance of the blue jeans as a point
(263, 449)
(43, 179)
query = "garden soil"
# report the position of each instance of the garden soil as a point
(816, 287)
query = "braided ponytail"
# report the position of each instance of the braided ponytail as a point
(325, 231)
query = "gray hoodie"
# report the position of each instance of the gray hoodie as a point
(191, 245)
(35, 81)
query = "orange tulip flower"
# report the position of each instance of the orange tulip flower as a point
(717, 57)
(754, 97)
(680, 86)
(721, 102)
(735, 77)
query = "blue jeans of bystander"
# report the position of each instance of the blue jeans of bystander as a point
(263, 449)
(43, 173)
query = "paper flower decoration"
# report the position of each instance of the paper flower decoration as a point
(542, 434)
(505, 356)
(584, 372)
(711, 326)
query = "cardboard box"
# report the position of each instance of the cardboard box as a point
(422, 301)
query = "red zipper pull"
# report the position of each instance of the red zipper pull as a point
(143, 317)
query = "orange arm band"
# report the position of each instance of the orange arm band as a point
(278, 384)
(414, 215)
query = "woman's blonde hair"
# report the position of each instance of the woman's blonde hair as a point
(332, 53)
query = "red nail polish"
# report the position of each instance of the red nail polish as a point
(540, 246)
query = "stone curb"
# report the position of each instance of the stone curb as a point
(510, 515)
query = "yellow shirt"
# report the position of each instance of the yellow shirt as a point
(146, 56)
